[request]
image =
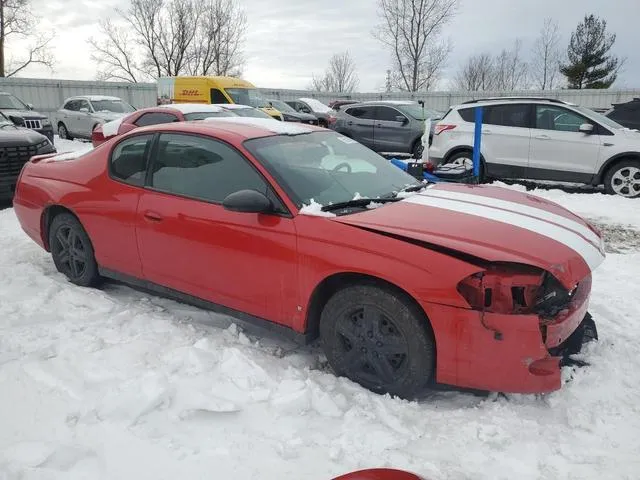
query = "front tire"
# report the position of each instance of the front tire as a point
(63, 133)
(379, 339)
(624, 179)
(417, 149)
(72, 251)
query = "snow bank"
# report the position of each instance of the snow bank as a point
(271, 125)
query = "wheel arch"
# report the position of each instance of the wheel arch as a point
(612, 162)
(48, 214)
(337, 281)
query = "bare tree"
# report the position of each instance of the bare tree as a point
(219, 39)
(510, 70)
(340, 76)
(411, 29)
(477, 74)
(18, 21)
(171, 38)
(546, 56)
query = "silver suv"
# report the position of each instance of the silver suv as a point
(542, 139)
(386, 126)
(78, 116)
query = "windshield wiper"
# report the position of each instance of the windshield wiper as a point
(360, 202)
(411, 188)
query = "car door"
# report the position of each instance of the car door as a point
(506, 137)
(559, 151)
(68, 115)
(113, 219)
(190, 243)
(84, 120)
(392, 130)
(359, 124)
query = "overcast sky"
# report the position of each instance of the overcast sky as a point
(288, 40)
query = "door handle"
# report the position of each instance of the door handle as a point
(543, 137)
(153, 216)
(486, 132)
(349, 123)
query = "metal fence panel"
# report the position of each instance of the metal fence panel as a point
(47, 95)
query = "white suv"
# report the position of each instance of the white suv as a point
(542, 139)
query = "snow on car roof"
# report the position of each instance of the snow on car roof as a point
(111, 128)
(97, 98)
(271, 125)
(186, 108)
(316, 105)
(232, 106)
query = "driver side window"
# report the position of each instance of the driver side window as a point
(558, 119)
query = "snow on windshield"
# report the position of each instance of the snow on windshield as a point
(316, 105)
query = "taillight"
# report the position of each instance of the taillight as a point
(503, 288)
(439, 128)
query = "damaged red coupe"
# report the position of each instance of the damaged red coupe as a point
(308, 232)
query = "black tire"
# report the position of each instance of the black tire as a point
(624, 179)
(63, 132)
(361, 327)
(466, 154)
(72, 251)
(417, 149)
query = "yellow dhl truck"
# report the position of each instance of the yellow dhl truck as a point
(212, 90)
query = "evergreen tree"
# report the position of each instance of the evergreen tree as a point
(590, 65)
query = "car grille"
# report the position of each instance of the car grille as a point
(12, 159)
(33, 124)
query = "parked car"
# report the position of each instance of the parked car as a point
(542, 139)
(338, 104)
(248, 111)
(380, 474)
(290, 115)
(324, 114)
(175, 112)
(626, 114)
(386, 126)
(17, 146)
(23, 115)
(405, 283)
(79, 116)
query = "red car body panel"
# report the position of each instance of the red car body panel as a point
(270, 266)
(379, 474)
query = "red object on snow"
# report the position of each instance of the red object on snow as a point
(380, 474)
(479, 262)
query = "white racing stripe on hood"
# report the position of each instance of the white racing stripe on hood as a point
(585, 249)
(515, 207)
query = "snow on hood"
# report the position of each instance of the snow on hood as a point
(492, 224)
(272, 125)
(109, 129)
(316, 105)
(187, 108)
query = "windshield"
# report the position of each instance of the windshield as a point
(9, 102)
(115, 106)
(283, 107)
(247, 96)
(315, 105)
(327, 167)
(203, 115)
(416, 112)
(598, 117)
(250, 112)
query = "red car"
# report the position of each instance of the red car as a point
(380, 474)
(308, 232)
(175, 112)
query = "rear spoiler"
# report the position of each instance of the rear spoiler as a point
(39, 158)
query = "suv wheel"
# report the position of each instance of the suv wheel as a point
(63, 133)
(379, 339)
(624, 179)
(465, 158)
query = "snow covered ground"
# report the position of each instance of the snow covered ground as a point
(116, 384)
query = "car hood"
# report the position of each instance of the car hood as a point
(490, 224)
(22, 113)
(11, 135)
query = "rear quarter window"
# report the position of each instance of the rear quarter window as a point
(467, 114)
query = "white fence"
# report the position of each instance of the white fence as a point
(47, 95)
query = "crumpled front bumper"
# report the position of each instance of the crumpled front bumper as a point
(503, 352)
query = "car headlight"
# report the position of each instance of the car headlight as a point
(46, 122)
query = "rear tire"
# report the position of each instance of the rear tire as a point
(624, 179)
(72, 251)
(417, 149)
(466, 158)
(379, 339)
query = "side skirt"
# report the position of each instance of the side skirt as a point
(252, 322)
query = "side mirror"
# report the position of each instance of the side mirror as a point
(586, 128)
(30, 106)
(247, 201)
(402, 119)
(84, 109)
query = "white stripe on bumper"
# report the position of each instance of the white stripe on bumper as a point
(538, 213)
(584, 248)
